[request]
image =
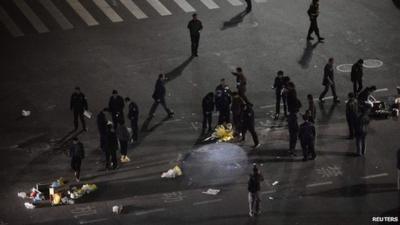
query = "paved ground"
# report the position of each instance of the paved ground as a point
(49, 48)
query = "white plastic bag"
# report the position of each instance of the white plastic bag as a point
(21, 194)
(29, 205)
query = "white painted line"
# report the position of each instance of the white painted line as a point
(186, 7)
(375, 176)
(56, 14)
(140, 213)
(210, 4)
(134, 9)
(319, 184)
(108, 11)
(207, 202)
(10, 24)
(235, 2)
(261, 1)
(268, 192)
(92, 221)
(82, 12)
(381, 90)
(159, 7)
(268, 106)
(194, 126)
(31, 16)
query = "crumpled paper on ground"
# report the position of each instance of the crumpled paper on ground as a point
(222, 133)
(172, 173)
(29, 205)
(211, 191)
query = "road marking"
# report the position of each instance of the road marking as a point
(207, 202)
(149, 211)
(92, 221)
(210, 4)
(159, 7)
(345, 68)
(31, 16)
(81, 211)
(235, 2)
(375, 176)
(56, 14)
(134, 9)
(319, 184)
(173, 197)
(268, 192)
(82, 12)
(108, 11)
(10, 24)
(194, 126)
(330, 171)
(185, 5)
(261, 1)
(381, 90)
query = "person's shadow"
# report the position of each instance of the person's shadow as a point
(326, 115)
(177, 71)
(305, 59)
(234, 21)
(396, 3)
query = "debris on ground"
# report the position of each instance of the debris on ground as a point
(222, 133)
(211, 191)
(275, 183)
(117, 209)
(25, 113)
(172, 173)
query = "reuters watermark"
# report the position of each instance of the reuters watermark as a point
(386, 219)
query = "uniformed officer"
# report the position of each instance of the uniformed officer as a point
(351, 113)
(78, 105)
(223, 102)
(208, 108)
(279, 86)
(102, 127)
(195, 26)
(237, 109)
(133, 116)
(356, 76)
(313, 13)
(307, 137)
(329, 82)
(241, 82)
(116, 107)
(112, 147)
(248, 124)
(293, 107)
(159, 96)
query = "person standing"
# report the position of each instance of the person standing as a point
(223, 102)
(313, 13)
(237, 108)
(329, 82)
(361, 130)
(195, 26)
(248, 124)
(133, 116)
(77, 153)
(307, 137)
(159, 97)
(253, 187)
(112, 147)
(312, 110)
(356, 76)
(116, 107)
(123, 138)
(78, 105)
(241, 82)
(248, 6)
(293, 107)
(208, 108)
(351, 113)
(279, 85)
(102, 127)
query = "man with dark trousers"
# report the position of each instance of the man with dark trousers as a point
(237, 106)
(223, 102)
(313, 13)
(248, 6)
(253, 187)
(78, 105)
(208, 108)
(116, 107)
(279, 85)
(133, 116)
(293, 107)
(101, 121)
(307, 137)
(361, 131)
(112, 148)
(356, 76)
(159, 97)
(329, 82)
(241, 82)
(77, 153)
(195, 26)
(351, 113)
(248, 124)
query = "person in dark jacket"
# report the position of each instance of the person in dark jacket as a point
(253, 187)
(248, 124)
(351, 113)
(241, 82)
(293, 102)
(248, 6)
(159, 96)
(293, 128)
(112, 147)
(312, 110)
(329, 82)
(223, 102)
(279, 86)
(307, 137)
(195, 26)
(208, 108)
(356, 76)
(123, 138)
(77, 153)
(361, 130)
(237, 106)
(313, 13)
(133, 116)
(78, 105)
(364, 94)
(116, 107)
(101, 121)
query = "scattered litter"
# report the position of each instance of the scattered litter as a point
(87, 114)
(211, 191)
(275, 183)
(172, 173)
(117, 209)
(26, 113)
(261, 164)
(271, 198)
(223, 133)
(22, 194)
(29, 205)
